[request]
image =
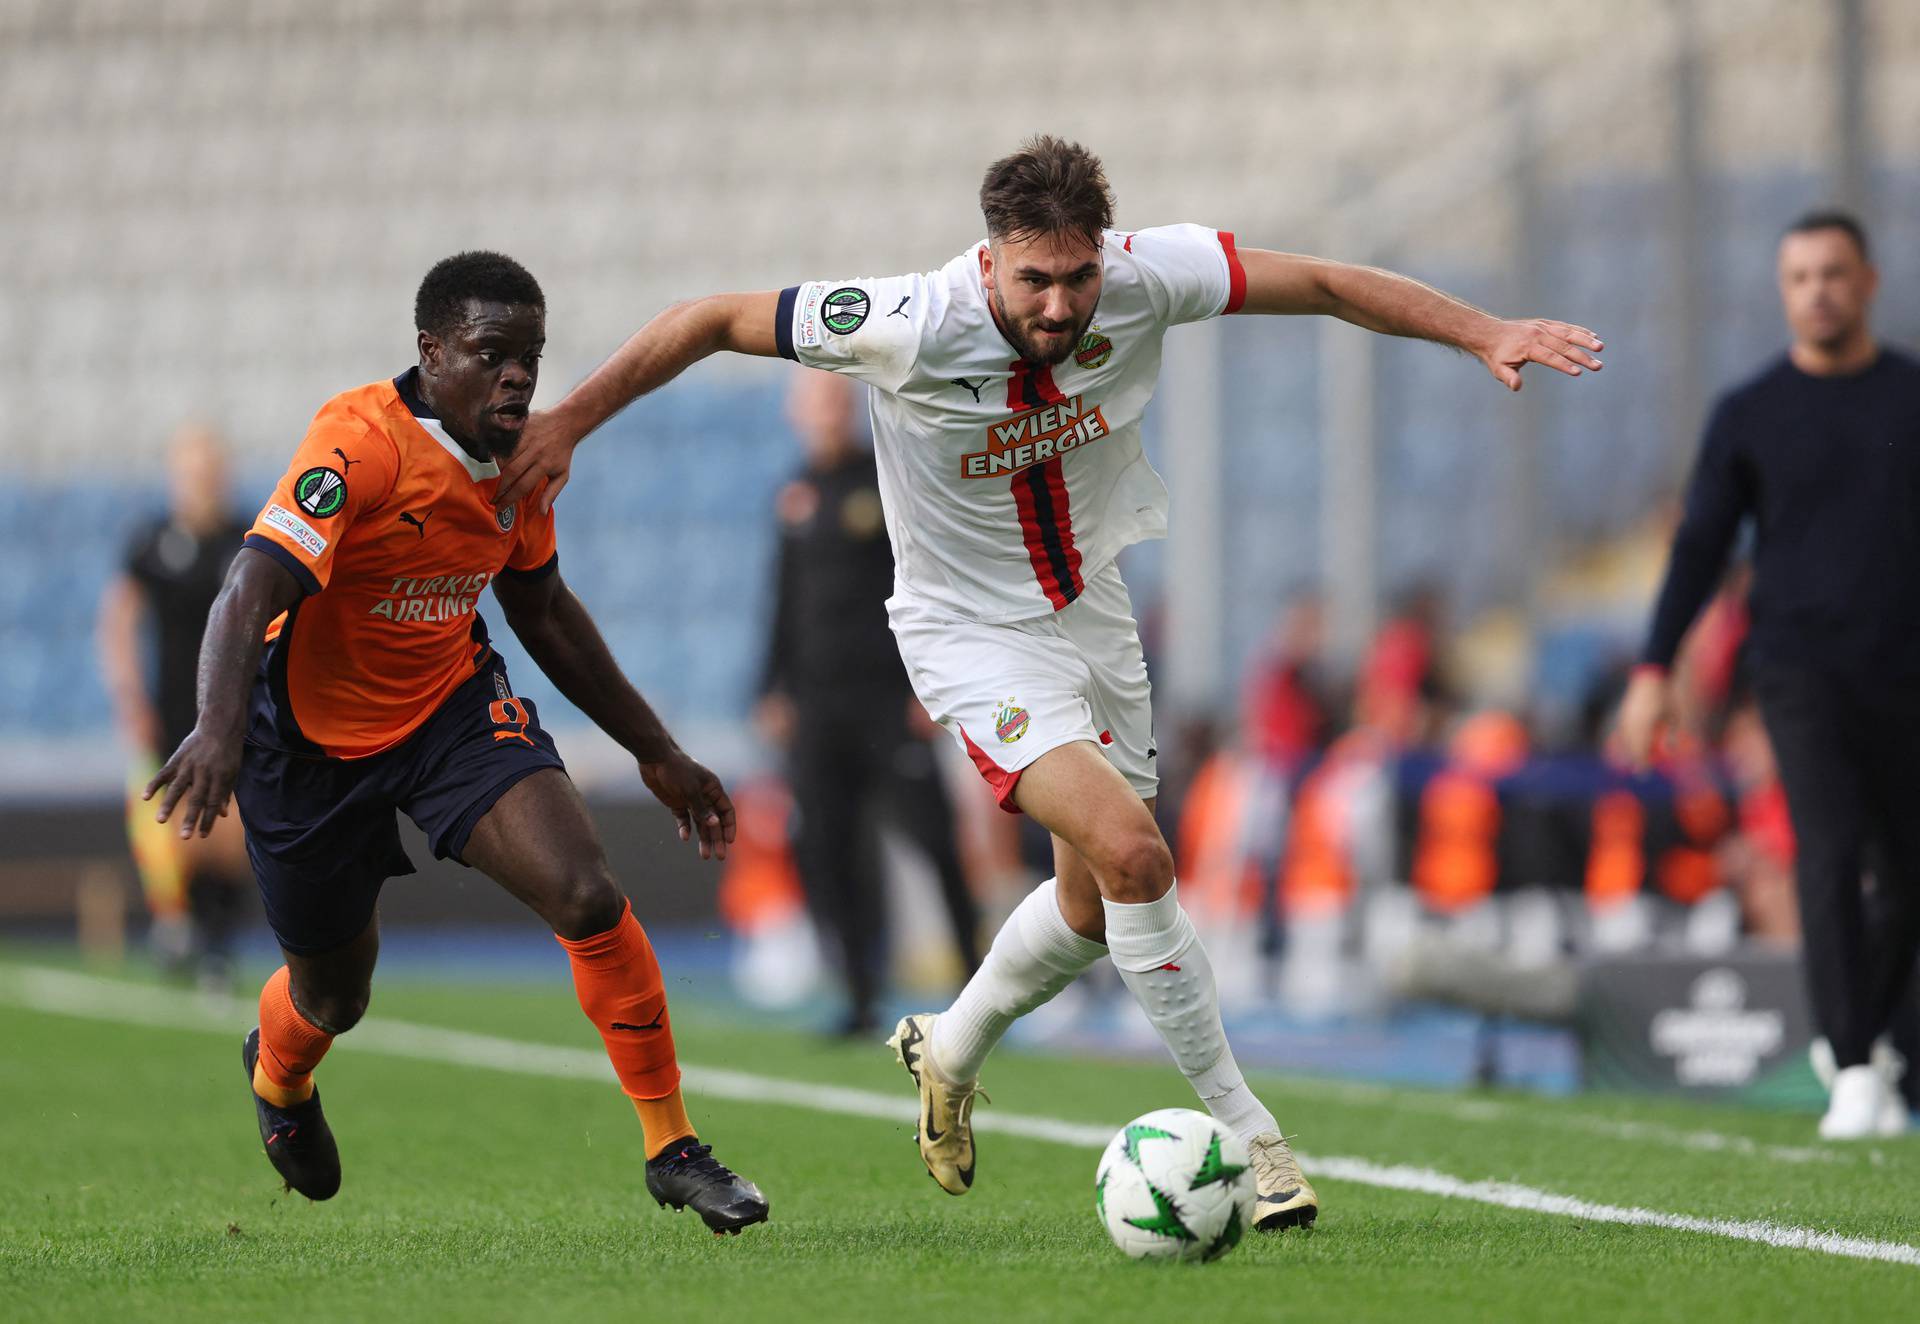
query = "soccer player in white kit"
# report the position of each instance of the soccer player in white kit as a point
(1008, 389)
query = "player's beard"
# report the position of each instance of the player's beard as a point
(1017, 336)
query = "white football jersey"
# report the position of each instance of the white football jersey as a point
(1008, 486)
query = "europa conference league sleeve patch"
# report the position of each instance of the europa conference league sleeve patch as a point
(845, 310)
(321, 491)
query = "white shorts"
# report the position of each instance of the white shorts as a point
(1009, 693)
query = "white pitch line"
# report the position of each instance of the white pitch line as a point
(1499, 1113)
(64, 993)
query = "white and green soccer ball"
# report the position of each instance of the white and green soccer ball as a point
(1175, 1185)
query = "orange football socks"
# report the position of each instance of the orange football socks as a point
(617, 979)
(663, 1121)
(290, 1046)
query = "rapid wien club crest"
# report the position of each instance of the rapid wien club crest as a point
(1095, 349)
(1010, 722)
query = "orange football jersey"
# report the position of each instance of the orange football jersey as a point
(389, 525)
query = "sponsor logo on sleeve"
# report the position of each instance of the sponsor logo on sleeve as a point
(303, 534)
(845, 310)
(1034, 438)
(806, 318)
(321, 491)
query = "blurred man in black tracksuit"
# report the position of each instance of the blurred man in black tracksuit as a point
(150, 621)
(1822, 452)
(836, 698)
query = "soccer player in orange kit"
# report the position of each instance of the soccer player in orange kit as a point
(346, 674)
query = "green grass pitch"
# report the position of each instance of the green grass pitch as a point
(132, 1187)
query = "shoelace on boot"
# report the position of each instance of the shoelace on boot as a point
(698, 1160)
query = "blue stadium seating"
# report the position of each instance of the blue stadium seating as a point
(666, 531)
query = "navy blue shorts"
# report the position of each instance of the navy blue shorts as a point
(322, 832)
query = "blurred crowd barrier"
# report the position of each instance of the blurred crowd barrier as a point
(1373, 822)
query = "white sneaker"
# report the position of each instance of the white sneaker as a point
(1820, 1058)
(1894, 1117)
(1885, 1057)
(1857, 1108)
(1892, 1066)
(1888, 1062)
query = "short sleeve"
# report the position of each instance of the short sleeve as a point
(536, 551)
(868, 328)
(136, 557)
(341, 469)
(1191, 272)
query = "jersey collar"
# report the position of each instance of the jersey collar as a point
(408, 386)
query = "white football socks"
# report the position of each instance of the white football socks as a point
(1160, 959)
(1033, 957)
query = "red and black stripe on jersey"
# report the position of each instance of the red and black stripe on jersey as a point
(1040, 492)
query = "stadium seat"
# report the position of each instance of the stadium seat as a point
(244, 266)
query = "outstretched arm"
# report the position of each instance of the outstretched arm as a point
(1398, 305)
(202, 771)
(657, 353)
(563, 640)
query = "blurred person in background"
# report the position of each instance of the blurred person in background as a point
(1399, 691)
(151, 618)
(836, 700)
(1758, 859)
(1822, 451)
(1288, 709)
(1288, 702)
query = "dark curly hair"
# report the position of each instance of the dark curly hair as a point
(442, 301)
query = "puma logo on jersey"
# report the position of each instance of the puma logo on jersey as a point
(971, 386)
(417, 521)
(904, 301)
(1035, 437)
(346, 465)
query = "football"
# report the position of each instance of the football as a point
(1174, 1185)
